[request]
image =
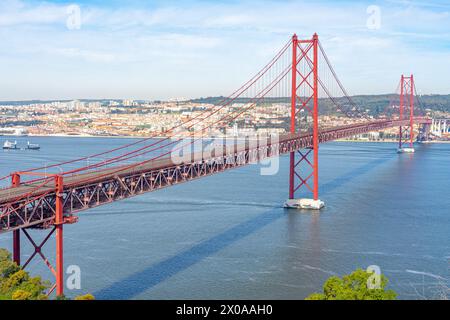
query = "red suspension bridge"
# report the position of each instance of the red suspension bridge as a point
(300, 75)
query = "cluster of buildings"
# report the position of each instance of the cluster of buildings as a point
(137, 118)
(158, 118)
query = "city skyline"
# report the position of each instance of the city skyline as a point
(160, 50)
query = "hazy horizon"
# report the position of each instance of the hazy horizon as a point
(179, 99)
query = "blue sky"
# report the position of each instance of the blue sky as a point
(169, 49)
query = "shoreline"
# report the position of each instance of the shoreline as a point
(163, 137)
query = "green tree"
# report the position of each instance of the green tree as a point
(7, 267)
(21, 295)
(85, 297)
(354, 287)
(17, 284)
(20, 285)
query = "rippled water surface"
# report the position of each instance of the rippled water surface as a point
(227, 236)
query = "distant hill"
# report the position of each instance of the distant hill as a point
(376, 104)
(28, 102)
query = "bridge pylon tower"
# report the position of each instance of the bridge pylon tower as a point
(304, 164)
(55, 226)
(406, 133)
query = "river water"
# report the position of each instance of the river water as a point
(228, 237)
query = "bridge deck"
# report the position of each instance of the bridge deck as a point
(287, 143)
(32, 204)
(38, 188)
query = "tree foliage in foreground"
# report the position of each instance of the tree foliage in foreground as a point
(16, 284)
(354, 287)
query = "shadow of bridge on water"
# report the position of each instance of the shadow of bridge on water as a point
(151, 276)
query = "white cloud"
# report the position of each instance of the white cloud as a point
(91, 56)
(17, 13)
(219, 43)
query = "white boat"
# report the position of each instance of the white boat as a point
(8, 145)
(33, 146)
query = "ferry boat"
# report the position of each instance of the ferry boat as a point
(8, 145)
(33, 146)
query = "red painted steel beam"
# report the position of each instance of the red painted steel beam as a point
(309, 57)
(59, 222)
(293, 115)
(16, 233)
(402, 88)
(316, 118)
(407, 90)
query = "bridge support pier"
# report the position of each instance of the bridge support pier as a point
(16, 246)
(38, 251)
(406, 134)
(57, 228)
(305, 66)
